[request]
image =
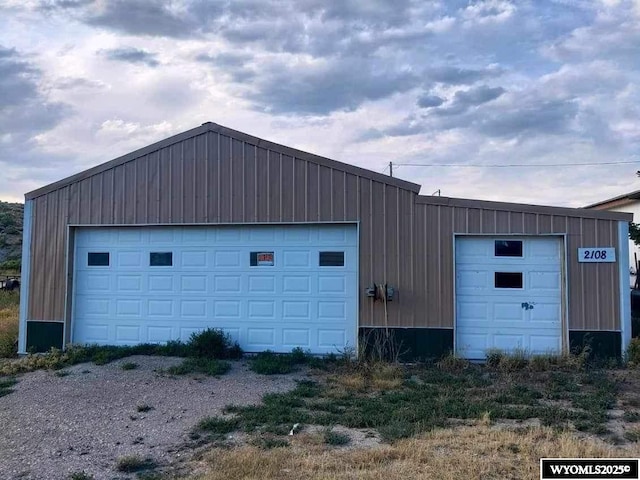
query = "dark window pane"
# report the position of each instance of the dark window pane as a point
(508, 248)
(161, 259)
(261, 259)
(332, 259)
(508, 279)
(98, 259)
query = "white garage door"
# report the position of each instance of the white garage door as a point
(508, 295)
(269, 287)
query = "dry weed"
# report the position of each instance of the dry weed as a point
(473, 452)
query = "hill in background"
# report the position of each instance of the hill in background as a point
(10, 235)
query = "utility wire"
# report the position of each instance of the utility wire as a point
(510, 165)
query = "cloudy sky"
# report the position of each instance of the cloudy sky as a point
(455, 83)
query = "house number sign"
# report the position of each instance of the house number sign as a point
(596, 255)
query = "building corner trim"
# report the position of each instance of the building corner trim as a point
(625, 286)
(25, 270)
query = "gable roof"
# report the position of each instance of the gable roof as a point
(214, 127)
(618, 201)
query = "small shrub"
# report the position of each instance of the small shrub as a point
(218, 425)
(62, 373)
(9, 325)
(134, 463)
(80, 476)
(267, 442)
(270, 363)
(335, 439)
(632, 435)
(452, 363)
(212, 343)
(631, 417)
(144, 408)
(129, 366)
(397, 430)
(298, 356)
(207, 366)
(494, 357)
(5, 386)
(633, 352)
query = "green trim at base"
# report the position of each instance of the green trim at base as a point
(602, 344)
(41, 336)
(413, 344)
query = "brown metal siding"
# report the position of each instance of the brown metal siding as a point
(592, 287)
(213, 178)
(405, 240)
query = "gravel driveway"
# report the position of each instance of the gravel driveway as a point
(55, 425)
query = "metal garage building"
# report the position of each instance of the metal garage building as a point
(279, 247)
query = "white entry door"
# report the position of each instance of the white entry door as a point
(508, 295)
(269, 287)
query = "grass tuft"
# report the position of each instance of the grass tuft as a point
(218, 425)
(9, 314)
(207, 366)
(336, 439)
(80, 476)
(134, 463)
(270, 363)
(5, 386)
(129, 366)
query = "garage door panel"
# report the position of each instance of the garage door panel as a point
(545, 313)
(157, 334)
(299, 311)
(227, 309)
(191, 259)
(212, 284)
(509, 341)
(508, 318)
(470, 311)
(128, 334)
(130, 307)
(225, 284)
(545, 343)
(130, 283)
(261, 338)
(93, 307)
(296, 284)
(331, 339)
(508, 312)
(94, 282)
(296, 259)
(472, 281)
(295, 337)
(261, 309)
(193, 284)
(544, 282)
(96, 332)
(262, 284)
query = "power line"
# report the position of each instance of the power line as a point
(511, 165)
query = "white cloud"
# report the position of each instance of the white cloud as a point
(487, 82)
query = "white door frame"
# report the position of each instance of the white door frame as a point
(70, 256)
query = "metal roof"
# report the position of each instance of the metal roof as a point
(635, 195)
(526, 208)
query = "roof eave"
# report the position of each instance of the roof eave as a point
(527, 208)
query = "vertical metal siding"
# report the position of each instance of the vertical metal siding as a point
(212, 178)
(592, 287)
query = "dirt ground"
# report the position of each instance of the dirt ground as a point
(84, 419)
